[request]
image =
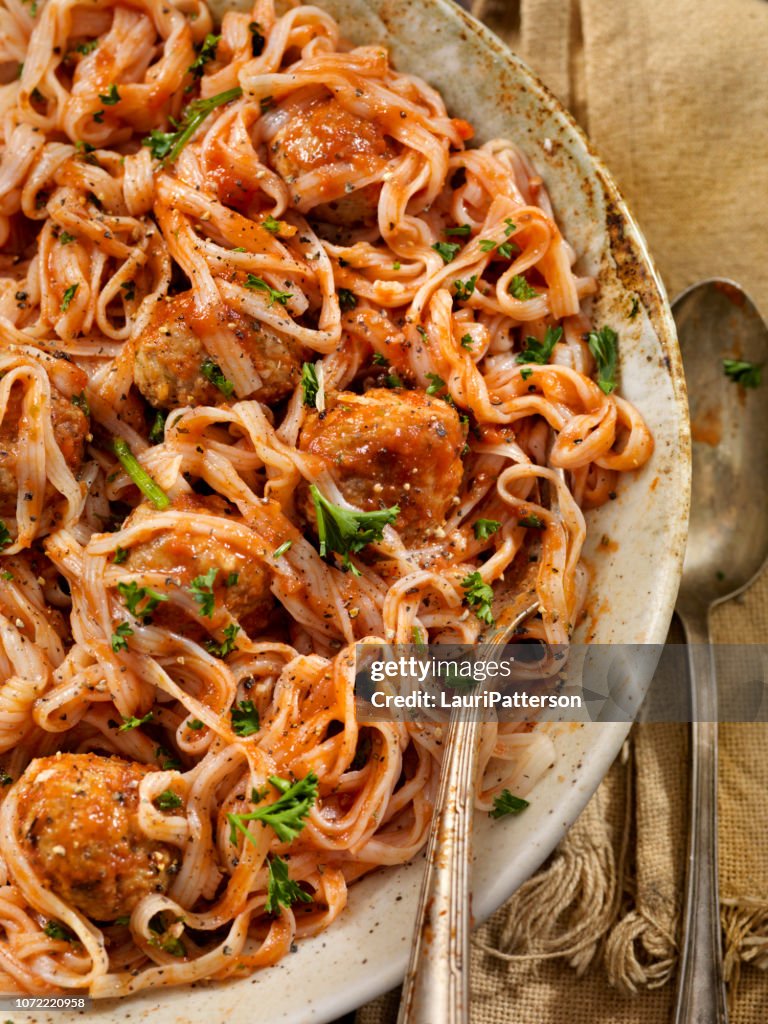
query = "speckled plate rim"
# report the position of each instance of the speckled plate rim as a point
(365, 951)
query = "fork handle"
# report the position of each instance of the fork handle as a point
(436, 986)
(700, 987)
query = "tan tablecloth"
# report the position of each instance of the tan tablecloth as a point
(673, 93)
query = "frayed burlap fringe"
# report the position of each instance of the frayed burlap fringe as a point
(745, 927)
(566, 909)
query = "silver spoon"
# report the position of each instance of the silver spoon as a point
(727, 548)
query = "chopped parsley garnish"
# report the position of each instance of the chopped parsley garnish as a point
(202, 591)
(394, 381)
(467, 342)
(81, 402)
(119, 637)
(447, 250)
(347, 532)
(310, 384)
(526, 372)
(195, 724)
(227, 646)
(148, 487)
(284, 547)
(505, 803)
(347, 299)
(132, 722)
(436, 384)
(98, 117)
(286, 815)
(231, 580)
(5, 778)
(484, 528)
(157, 433)
(65, 238)
(120, 555)
(86, 48)
(212, 372)
(460, 229)
(604, 346)
(129, 287)
(464, 289)
(56, 930)
(111, 98)
(207, 52)
(540, 351)
(532, 522)
(749, 375)
(168, 762)
(479, 596)
(270, 224)
(166, 146)
(281, 889)
(507, 250)
(379, 359)
(5, 537)
(245, 719)
(258, 284)
(6, 574)
(635, 308)
(132, 594)
(520, 289)
(69, 294)
(168, 800)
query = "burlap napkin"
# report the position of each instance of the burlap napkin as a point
(672, 93)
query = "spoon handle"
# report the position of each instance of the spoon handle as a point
(436, 986)
(700, 987)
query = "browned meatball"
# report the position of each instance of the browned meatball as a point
(182, 556)
(389, 448)
(79, 825)
(323, 133)
(170, 352)
(70, 427)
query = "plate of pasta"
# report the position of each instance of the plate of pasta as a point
(306, 312)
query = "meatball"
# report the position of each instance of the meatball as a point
(70, 427)
(388, 448)
(170, 352)
(323, 133)
(79, 825)
(242, 582)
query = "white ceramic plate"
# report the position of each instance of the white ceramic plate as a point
(634, 586)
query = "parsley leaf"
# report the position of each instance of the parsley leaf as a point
(464, 289)
(202, 590)
(346, 532)
(447, 250)
(286, 815)
(119, 637)
(120, 555)
(520, 289)
(166, 146)
(505, 803)
(227, 646)
(111, 98)
(168, 800)
(212, 372)
(65, 238)
(310, 384)
(532, 522)
(132, 594)
(281, 889)
(258, 284)
(207, 52)
(540, 351)
(460, 229)
(69, 294)
(132, 722)
(467, 342)
(5, 537)
(749, 375)
(603, 345)
(347, 299)
(479, 596)
(82, 403)
(270, 224)
(437, 384)
(56, 930)
(157, 433)
(195, 724)
(484, 528)
(245, 719)
(86, 48)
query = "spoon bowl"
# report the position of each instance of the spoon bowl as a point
(728, 533)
